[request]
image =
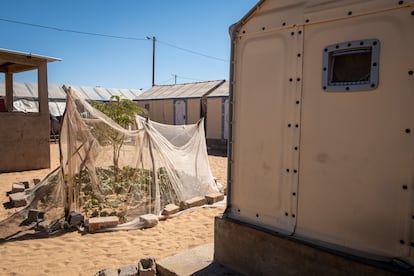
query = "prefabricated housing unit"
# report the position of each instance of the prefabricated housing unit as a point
(322, 126)
(218, 115)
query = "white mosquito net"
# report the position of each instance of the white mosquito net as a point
(107, 170)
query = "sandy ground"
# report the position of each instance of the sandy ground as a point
(76, 254)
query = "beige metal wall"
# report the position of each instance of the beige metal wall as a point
(193, 110)
(355, 155)
(25, 141)
(214, 118)
(161, 111)
(333, 168)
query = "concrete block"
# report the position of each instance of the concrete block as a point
(149, 220)
(147, 267)
(75, 219)
(170, 209)
(26, 184)
(214, 197)
(18, 199)
(193, 202)
(35, 181)
(128, 270)
(98, 223)
(34, 215)
(17, 188)
(107, 272)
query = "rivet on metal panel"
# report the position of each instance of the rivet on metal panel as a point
(374, 43)
(296, 148)
(289, 125)
(404, 187)
(295, 171)
(296, 125)
(257, 215)
(298, 79)
(244, 31)
(293, 194)
(337, 46)
(286, 214)
(263, 28)
(326, 50)
(402, 242)
(324, 69)
(297, 102)
(300, 32)
(407, 130)
(292, 33)
(400, 2)
(412, 12)
(293, 215)
(287, 170)
(361, 43)
(349, 44)
(347, 88)
(372, 85)
(299, 55)
(324, 88)
(307, 21)
(349, 13)
(290, 79)
(284, 24)
(410, 72)
(238, 210)
(374, 64)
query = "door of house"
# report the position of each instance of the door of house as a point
(180, 112)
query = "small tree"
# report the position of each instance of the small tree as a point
(121, 111)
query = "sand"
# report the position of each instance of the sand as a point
(76, 254)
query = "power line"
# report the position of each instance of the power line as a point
(108, 36)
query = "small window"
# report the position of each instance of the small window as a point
(351, 66)
(147, 106)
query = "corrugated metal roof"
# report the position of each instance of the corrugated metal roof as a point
(29, 90)
(176, 91)
(221, 91)
(104, 94)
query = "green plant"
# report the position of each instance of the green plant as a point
(122, 112)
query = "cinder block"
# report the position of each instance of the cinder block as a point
(147, 267)
(193, 202)
(75, 219)
(18, 199)
(34, 215)
(26, 184)
(170, 209)
(17, 188)
(149, 220)
(214, 197)
(128, 270)
(107, 272)
(98, 223)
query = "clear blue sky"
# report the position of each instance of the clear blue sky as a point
(196, 25)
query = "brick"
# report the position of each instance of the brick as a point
(128, 270)
(75, 219)
(107, 272)
(34, 215)
(26, 184)
(18, 199)
(193, 202)
(147, 267)
(149, 220)
(170, 209)
(98, 223)
(214, 197)
(17, 188)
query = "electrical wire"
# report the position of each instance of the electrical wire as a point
(109, 36)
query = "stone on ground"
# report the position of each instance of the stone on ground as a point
(18, 199)
(17, 188)
(128, 270)
(193, 202)
(170, 209)
(147, 267)
(98, 223)
(214, 197)
(149, 220)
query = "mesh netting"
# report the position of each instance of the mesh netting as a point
(107, 170)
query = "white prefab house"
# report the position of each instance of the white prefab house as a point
(322, 146)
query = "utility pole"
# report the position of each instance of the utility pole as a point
(175, 78)
(153, 58)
